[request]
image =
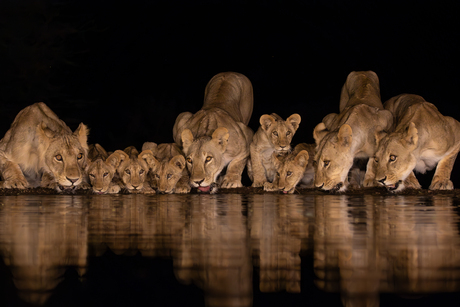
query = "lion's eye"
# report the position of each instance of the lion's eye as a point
(289, 174)
(80, 155)
(127, 171)
(277, 174)
(392, 158)
(58, 157)
(326, 163)
(189, 160)
(157, 176)
(288, 133)
(141, 172)
(92, 176)
(315, 163)
(376, 160)
(105, 174)
(275, 133)
(208, 158)
(169, 176)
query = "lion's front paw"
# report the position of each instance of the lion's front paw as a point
(231, 183)
(113, 189)
(411, 182)
(18, 183)
(441, 184)
(182, 189)
(84, 186)
(258, 184)
(369, 183)
(269, 187)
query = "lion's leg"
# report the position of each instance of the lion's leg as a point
(411, 182)
(232, 178)
(369, 177)
(258, 170)
(441, 179)
(113, 188)
(183, 185)
(48, 181)
(12, 175)
(271, 187)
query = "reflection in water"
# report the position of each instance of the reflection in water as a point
(39, 238)
(363, 246)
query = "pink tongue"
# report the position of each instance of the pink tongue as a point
(285, 192)
(204, 189)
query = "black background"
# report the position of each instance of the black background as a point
(127, 69)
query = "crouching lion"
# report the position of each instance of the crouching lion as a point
(101, 170)
(341, 138)
(217, 136)
(40, 150)
(422, 139)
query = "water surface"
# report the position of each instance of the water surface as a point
(229, 250)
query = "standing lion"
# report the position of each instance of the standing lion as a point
(40, 150)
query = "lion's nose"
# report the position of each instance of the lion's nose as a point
(198, 182)
(73, 180)
(135, 186)
(382, 181)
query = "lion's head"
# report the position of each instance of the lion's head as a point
(65, 155)
(133, 168)
(290, 170)
(205, 158)
(166, 174)
(102, 168)
(394, 160)
(333, 158)
(280, 132)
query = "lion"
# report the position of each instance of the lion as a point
(293, 169)
(342, 138)
(217, 136)
(168, 173)
(273, 136)
(101, 170)
(39, 149)
(422, 139)
(133, 168)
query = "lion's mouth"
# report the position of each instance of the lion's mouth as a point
(206, 189)
(68, 188)
(393, 187)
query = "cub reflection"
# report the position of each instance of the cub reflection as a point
(278, 228)
(40, 237)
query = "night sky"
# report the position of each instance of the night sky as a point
(128, 69)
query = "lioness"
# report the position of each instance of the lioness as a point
(422, 139)
(168, 173)
(273, 135)
(293, 169)
(217, 136)
(340, 138)
(133, 168)
(40, 150)
(101, 170)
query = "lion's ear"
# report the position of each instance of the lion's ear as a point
(82, 135)
(187, 139)
(266, 121)
(294, 121)
(345, 136)
(220, 138)
(116, 158)
(44, 132)
(411, 137)
(147, 156)
(302, 158)
(178, 161)
(319, 132)
(150, 145)
(379, 134)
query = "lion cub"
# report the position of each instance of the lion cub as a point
(422, 139)
(101, 170)
(274, 136)
(168, 173)
(293, 169)
(133, 168)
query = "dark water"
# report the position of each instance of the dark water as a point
(229, 250)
